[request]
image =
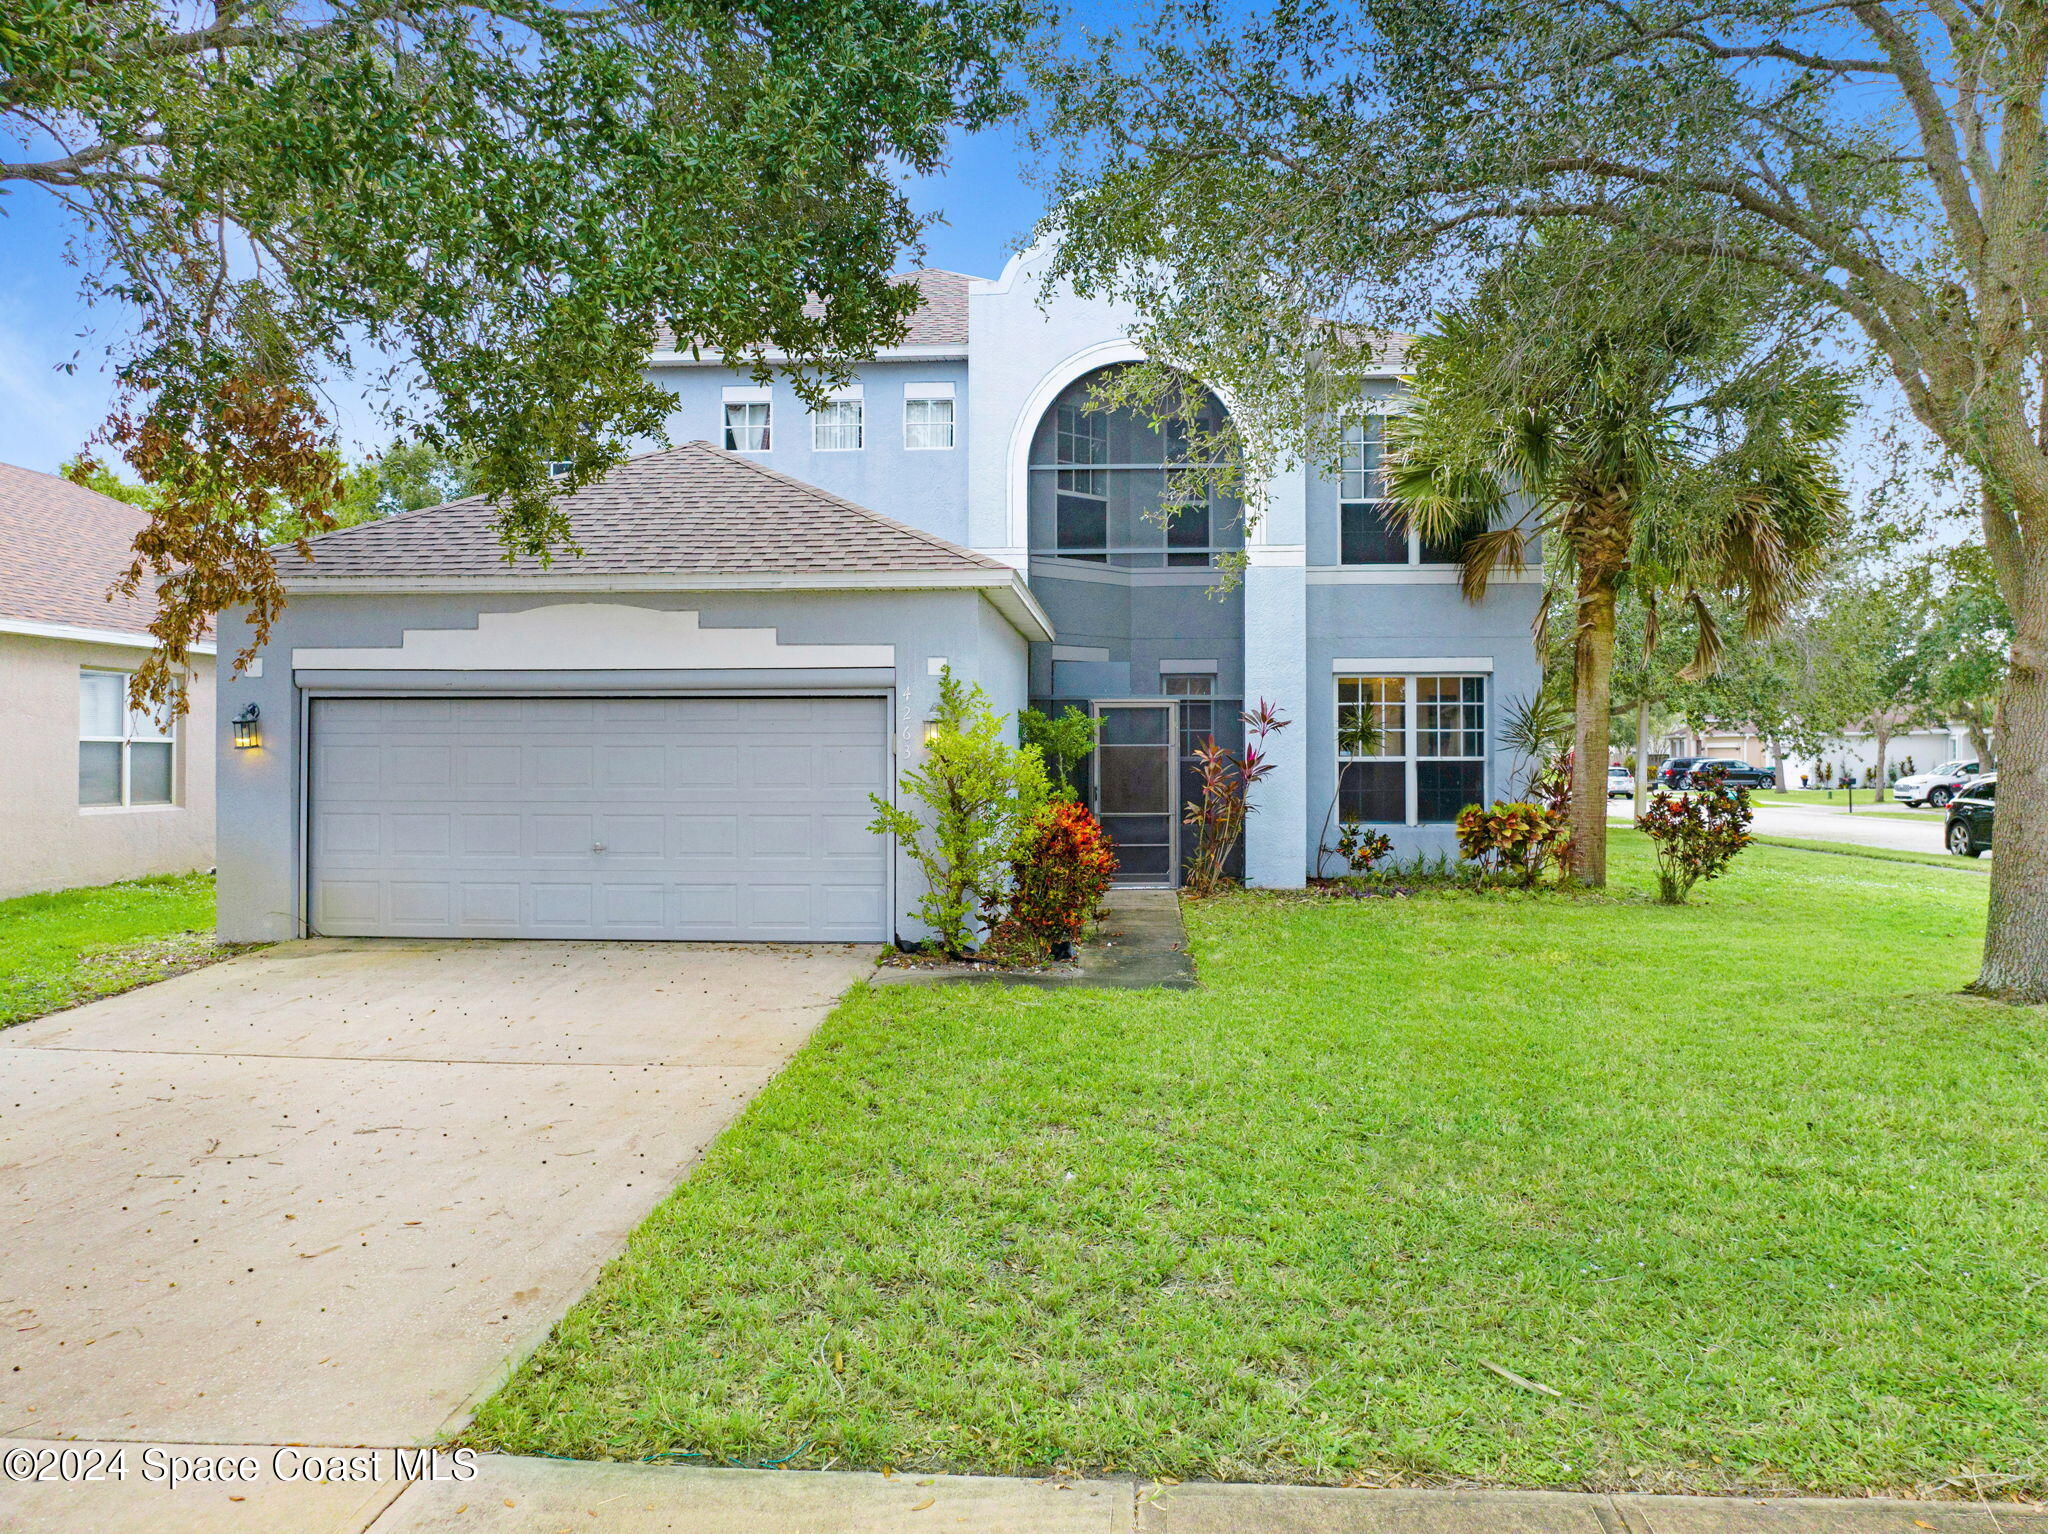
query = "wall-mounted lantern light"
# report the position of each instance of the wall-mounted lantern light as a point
(931, 727)
(248, 728)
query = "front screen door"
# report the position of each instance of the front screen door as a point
(1135, 773)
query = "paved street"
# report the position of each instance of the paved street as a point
(1838, 825)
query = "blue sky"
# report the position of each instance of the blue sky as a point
(45, 412)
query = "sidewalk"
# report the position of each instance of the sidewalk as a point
(508, 1495)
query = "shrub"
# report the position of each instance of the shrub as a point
(983, 796)
(1360, 848)
(1064, 743)
(1697, 835)
(1058, 879)
(1516, 837)
(1227, 779)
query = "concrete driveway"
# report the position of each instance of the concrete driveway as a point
(328, 1192)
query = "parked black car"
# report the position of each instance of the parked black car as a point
(1676, 772)
(1969, 817)
(1698, 771)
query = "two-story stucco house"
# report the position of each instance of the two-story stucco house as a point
(674, 734)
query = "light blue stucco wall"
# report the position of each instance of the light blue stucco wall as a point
(260, 848)
(926, 487)
(1425, 621)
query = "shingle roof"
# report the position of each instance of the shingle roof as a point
(688, 510)
(941, 320)
(61, 547)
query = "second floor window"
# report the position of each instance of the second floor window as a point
(927, 424)
(746, 427)
(1368, 533)
(124, 755)
(837, 426)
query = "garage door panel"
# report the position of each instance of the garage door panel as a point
(724, 819)
(487, 767)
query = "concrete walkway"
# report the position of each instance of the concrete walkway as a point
(505, 1495)
(329, 1192)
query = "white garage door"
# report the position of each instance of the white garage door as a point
(735, 818)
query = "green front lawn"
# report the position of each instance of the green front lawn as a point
(61, 949)
(1747, 1184)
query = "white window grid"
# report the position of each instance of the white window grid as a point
(927, 424)
(106, 720)
(1362, 479)
(837, 426)
(1421, 718)
(747, 426)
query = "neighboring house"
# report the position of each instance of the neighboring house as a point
(675, 734)
(1925, 747)
(90, 791)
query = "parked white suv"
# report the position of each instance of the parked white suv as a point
(1936, 787)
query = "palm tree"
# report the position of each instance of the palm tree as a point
(1655, 429)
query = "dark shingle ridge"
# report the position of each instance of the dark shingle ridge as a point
(692, 509)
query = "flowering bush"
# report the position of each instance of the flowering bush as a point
(1522, 837)
(1227, 779)
(1697, 835)
(1360, 848)
(1058, 878)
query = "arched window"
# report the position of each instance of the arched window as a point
(1110, 487)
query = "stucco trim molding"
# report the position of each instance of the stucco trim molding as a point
(1411, 575)
(1004, 588)
(593, 636)
(85, 635)
(1402, 665)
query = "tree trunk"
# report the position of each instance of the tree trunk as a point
(2016, 941)
(1642, 756)
(1592, 697)
(1882, 734)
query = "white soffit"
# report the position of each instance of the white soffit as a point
(592, 636)
(1405, 665)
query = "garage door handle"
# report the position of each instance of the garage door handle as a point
(597, 846)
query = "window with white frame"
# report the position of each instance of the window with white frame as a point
(836, 426)
(1411, 750)
(927, 424)
(124, 755)
(746, 426)
(1368, 532)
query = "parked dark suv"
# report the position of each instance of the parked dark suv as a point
(1697, 771)
(1674, 773)
(1969, 817)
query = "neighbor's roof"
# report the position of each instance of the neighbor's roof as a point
(61, 547)
(940, 320)
(691, 510)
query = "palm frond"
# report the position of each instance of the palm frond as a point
(1709, 648)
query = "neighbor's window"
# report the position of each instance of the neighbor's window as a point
(836, 426)
(1367, 531)
(927, 424)
(1428, 759)
(746, 427)
(124, 756)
